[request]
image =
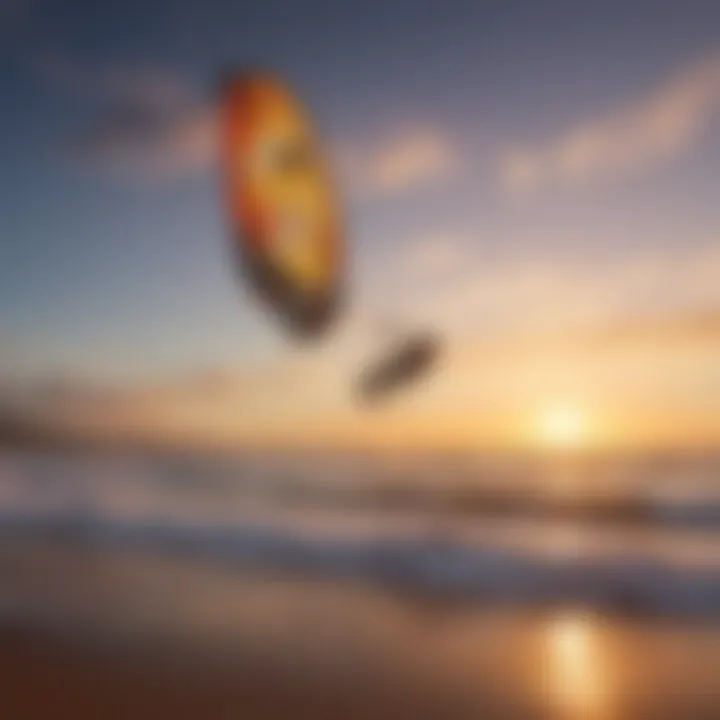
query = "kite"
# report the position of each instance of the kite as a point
(287, 232)
(412, 359)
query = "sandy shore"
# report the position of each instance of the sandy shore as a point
(52, 677)
(103, 634)
(46, 676)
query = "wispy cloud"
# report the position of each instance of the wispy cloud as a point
(651, 130)
(434, 255)
(545, 294)
(653, 370)
(223, 406)
(626, 334)
(404, 160)
(146, 123)
(149, 142)
(149, 123)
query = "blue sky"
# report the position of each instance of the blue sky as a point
(460, 132)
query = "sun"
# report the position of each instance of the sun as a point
(562, 426)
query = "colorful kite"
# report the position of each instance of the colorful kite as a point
(286, 226)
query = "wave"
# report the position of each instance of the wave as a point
(430, 564)
(618, 492)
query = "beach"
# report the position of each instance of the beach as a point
(143, 634)
(137, 585)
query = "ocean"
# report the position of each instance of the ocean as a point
(573, 586)
(625, 535)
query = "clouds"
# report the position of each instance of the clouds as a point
(412, 159)
(154, 124)
(140, 122)
(636, 337)
(150, 124)
(647, 132)
(246, 403)
(147, 125)
(150, 144)
(546, 293)
(655, 128)
(434, 256)
(663, 371)
(404, 160)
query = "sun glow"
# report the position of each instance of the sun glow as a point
(562, 426)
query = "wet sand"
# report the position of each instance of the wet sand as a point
(94, 632)
(49, 677)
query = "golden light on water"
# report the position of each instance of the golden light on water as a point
(577, 680)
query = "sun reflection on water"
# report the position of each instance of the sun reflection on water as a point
(578, 680)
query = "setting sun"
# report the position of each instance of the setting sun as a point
(562, 426)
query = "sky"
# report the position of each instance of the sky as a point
(538, 182)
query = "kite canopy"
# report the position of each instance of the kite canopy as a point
(408, 362)
(285, 223)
